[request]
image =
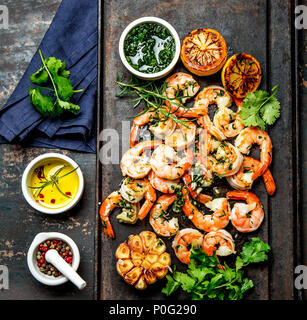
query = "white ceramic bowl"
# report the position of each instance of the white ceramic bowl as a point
(26, 180)
(32, 262)
(162, 73)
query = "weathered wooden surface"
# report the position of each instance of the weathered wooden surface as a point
(282, 206)
(28, 22)
(302, 95)
(263, 29)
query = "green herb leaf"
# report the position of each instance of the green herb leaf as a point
(254, 251)
(260, 109)
(270, 112)
(251, 118)
(239, 263)
(43, 104)
(53, 70)
(246, 285)
(40, 76)
(64, 87)
(62, 106)
(171, 286)
(207, 278)
(54, 65)
(187, 282)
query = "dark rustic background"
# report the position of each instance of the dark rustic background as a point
(28, 22)
(302, 96)
(262, 28)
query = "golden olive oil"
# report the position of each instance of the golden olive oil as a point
(54, 184)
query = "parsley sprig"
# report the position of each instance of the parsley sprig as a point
(207, 279)
(53, 70)
(260, 109)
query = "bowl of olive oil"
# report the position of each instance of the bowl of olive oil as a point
(149, 48)
(52, 183)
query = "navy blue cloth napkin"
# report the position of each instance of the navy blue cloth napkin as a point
(73, 38)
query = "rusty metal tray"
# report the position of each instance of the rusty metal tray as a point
(262, 28)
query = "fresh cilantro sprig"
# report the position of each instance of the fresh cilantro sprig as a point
(53, 70)
(260, 109)
(207, 279)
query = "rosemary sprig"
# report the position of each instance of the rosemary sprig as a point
(153, 98)
(54, 182)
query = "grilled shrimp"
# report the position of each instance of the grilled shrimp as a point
(211, 95)
(225, 161)
(163, 185)
(223, 120)
(135, 190)
(181, 82)
(184, 241)
(115, 200)
(250, 136)
(183, 136)
(246, 217)
(209, 222)
(160, 126)
(194, 191)
(219, 241)
(134, 163)
(219, 157)
(166, 163)
(243, 179)
(200, 172)
(158, 216)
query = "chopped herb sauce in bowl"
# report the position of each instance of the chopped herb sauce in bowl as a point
(149, 48)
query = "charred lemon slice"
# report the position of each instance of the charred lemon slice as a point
(241, 75)
(143, 260)
(203, 52)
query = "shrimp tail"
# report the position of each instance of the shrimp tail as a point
(260, 171)
(238, 195)
(107, 227)
(109, 204)
(150, 199)
(203, 198)
(249, 197)
(134, 134)
(206, 124)
(269, 182)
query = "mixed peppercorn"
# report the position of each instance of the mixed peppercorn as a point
(64, 251)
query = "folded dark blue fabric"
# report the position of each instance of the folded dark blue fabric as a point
(73, 38)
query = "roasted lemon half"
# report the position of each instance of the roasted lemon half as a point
(203, 52)
(241, 75)
(143, 260)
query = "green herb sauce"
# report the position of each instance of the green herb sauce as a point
(149, 47)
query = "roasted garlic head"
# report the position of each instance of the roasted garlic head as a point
(143, 260)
